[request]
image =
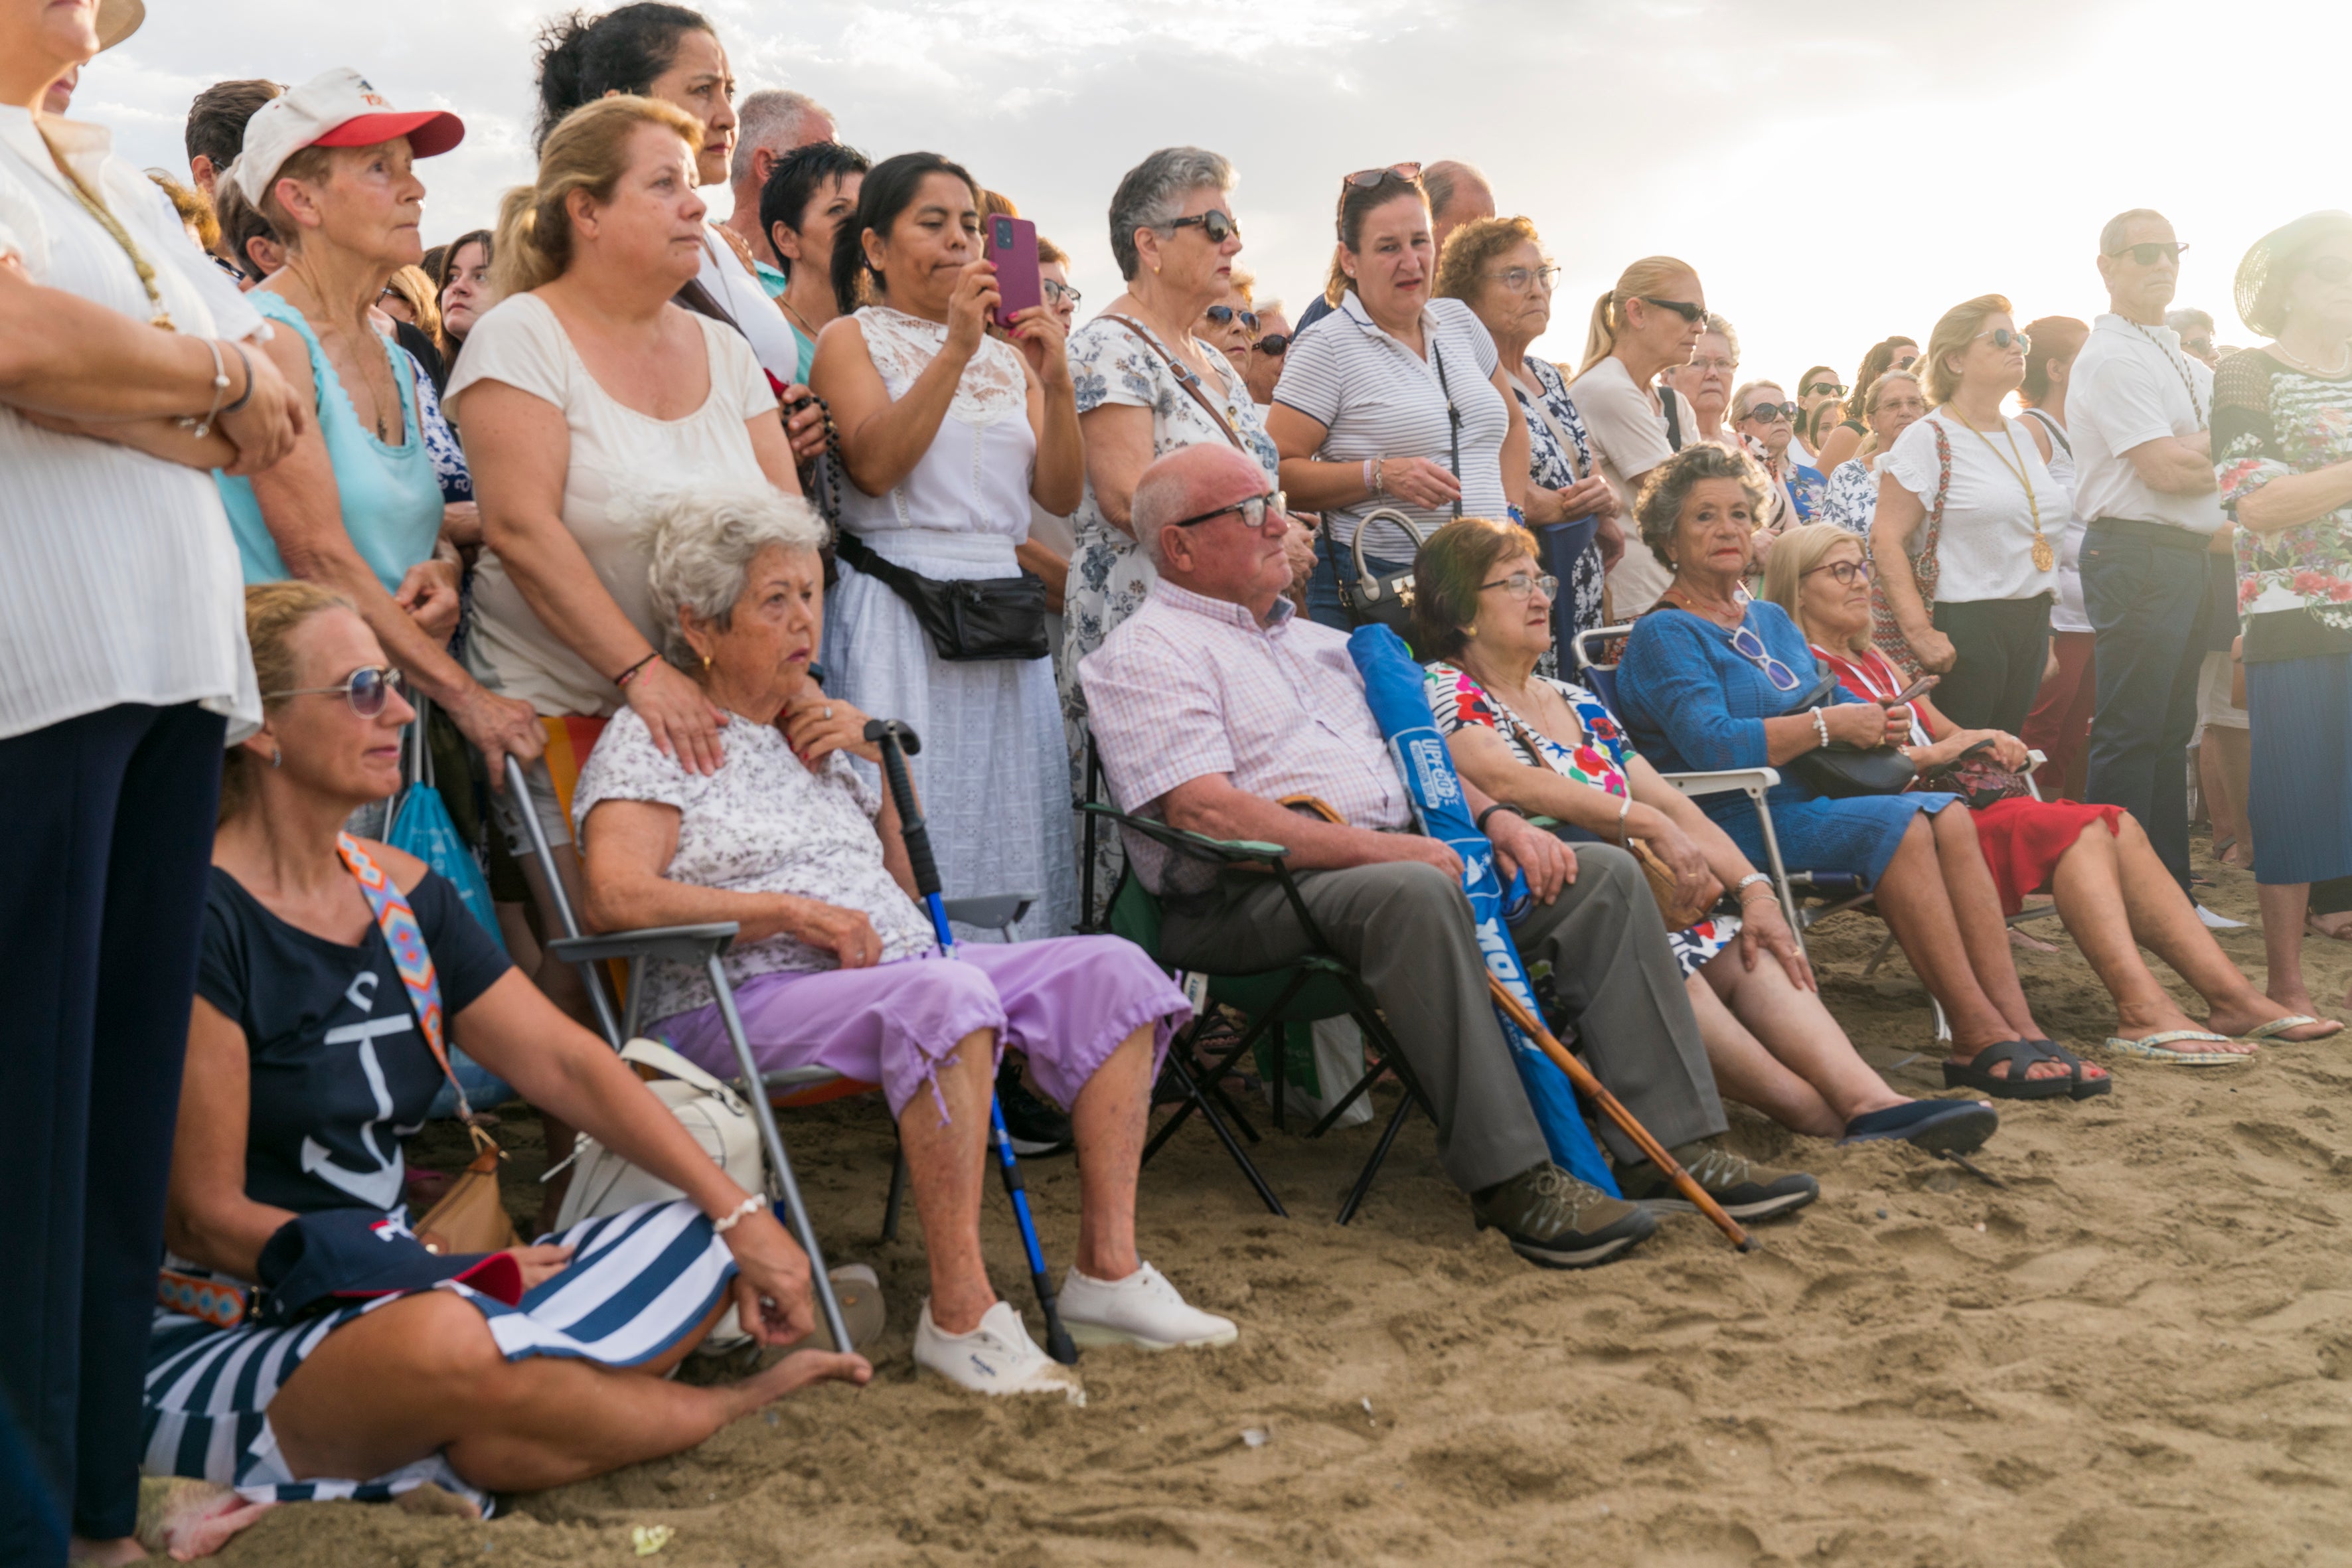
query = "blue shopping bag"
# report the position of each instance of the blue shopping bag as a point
(421, 825)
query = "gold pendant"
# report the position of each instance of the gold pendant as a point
(2044, 557)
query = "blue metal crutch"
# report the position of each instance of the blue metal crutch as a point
(899, 743)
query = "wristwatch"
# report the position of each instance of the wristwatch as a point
(1740, 888)
(1499, 806)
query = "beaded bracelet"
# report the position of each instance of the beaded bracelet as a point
(1821, 727)
(735, 1217)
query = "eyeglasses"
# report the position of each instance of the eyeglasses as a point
(1831, 387)
(2002, 338)
(1846, 572)
(1252, 511)
(1772, 413)
(1903, 362)
(367, 690)
(1057, 292)
(1219, 226)
(1517, 278)
(1365, 179)
(1272, 344)
(1224, 316)
(2197, 345)
(1709, 361)
(2330, 269)
(1750, 647)
(2146, 252)
(1519, 584)
(1683, 308)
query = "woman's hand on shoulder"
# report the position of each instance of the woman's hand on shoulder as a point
(683, 722)
(972, 306)
(816, 726)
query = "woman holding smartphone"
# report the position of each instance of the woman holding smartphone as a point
(2113, 892)
(947, 434)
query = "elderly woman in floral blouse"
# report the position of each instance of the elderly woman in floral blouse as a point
(1497, 266)
(1147, 385)
(835, 964)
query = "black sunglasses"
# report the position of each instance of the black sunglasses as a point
(1218, 225)
(2147, 251)
(2002, 338)
(1771, 412)
(1272, 344)
(1252, 511)
(1831, 387)
(1224, 316)
(1683, 308)
(1365, 179)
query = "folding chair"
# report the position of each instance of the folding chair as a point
(1834, 892)
(1317, 985)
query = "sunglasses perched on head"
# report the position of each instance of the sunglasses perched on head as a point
(2003, 338)
(1272, 344)
(367, 690)
(1058, 291)
(1772, 413)
(2330, 269)
(1365, 179)
(1252, 511)
(1903, 362)
(1831, 387)
(1683, 308)
(2146, 252)
(1219, 226)
(1224, 316)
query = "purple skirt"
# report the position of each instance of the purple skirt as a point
(1066, 1003)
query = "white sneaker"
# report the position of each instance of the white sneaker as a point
(996, 1357)
(1143, 1310)
(2218, 922)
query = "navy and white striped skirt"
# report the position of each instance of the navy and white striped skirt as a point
(639, 1281)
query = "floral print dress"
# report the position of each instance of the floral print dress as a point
(2270, 420)
(1555, 468)
(1458, 702)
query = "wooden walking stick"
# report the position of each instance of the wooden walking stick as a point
(1590, 1087)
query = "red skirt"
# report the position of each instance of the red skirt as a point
(2025, 840)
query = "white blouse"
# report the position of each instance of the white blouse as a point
(119, 576)
(1985, 549)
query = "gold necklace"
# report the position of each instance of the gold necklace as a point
(2044, 558)
(96, 208)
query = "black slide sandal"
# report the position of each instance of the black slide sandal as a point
(2020, 1056)
(2081, 1088)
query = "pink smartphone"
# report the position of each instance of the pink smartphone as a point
(1011, 244)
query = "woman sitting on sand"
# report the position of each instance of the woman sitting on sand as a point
(2113, 892)
(307, 1058)
(1555, 750)
(835, 965)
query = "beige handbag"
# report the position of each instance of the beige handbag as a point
(604, 1183)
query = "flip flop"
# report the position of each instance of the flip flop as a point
(2150, 1048)
(2020, 1055)
(1959, 1126)
(2273, 1028)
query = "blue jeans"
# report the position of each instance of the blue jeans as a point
(2148, 607)
(1323, 583)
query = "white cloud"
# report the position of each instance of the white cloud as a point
(1835, 172)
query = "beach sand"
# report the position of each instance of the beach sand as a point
(2137, 1354)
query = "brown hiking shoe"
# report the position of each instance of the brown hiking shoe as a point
(1745, 1189)
(1555, 1221)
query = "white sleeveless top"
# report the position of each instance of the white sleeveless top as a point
(974, 477)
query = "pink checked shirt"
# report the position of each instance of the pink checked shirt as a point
(1190, 686)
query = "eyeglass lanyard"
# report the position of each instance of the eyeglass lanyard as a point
(2179, 368)
(96, 208)
(2044, 558)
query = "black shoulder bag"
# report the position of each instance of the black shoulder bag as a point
(1839, 770)
(1388, 601)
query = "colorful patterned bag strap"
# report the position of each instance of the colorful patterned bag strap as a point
(407, 939)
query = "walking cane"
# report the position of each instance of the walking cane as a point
(1582, 1076)
(899, 743)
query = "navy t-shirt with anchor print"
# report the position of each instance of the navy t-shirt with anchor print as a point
(341, 1069)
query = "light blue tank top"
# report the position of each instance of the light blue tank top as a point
(391, 496)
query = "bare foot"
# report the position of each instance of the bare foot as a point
(2017, 938)
(2336, 927)
(434, 1501)
(186, 1518)
(802, 1368)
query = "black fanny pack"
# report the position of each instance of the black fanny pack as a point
(982, 618)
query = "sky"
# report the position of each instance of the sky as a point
(1835, 172)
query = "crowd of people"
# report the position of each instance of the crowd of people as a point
(652, 510)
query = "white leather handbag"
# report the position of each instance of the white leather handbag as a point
(604, 1183)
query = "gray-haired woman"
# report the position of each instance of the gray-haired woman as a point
(1147, 386)
(837, 966)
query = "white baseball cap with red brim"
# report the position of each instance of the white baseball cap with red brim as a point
(338, 109)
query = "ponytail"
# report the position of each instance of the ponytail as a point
(1646, 276)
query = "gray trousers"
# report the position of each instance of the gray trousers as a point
(1405, 927)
